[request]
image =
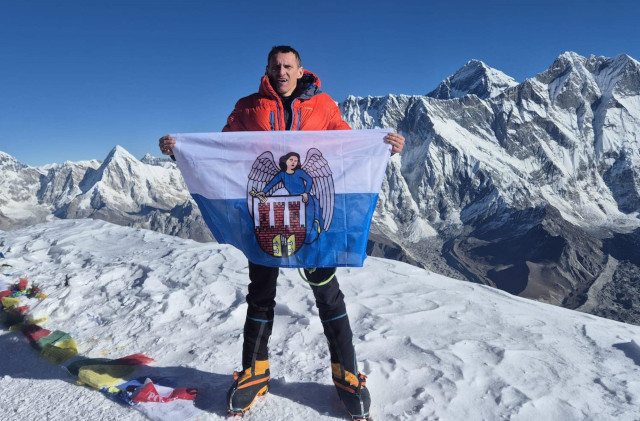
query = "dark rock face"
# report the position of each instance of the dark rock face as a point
(617, 295)
(624, 247)
(547, 258)
(619, 299)
(382, 247)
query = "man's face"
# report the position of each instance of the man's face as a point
(284, 72)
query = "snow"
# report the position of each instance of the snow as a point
(434, 348)
(420, 229)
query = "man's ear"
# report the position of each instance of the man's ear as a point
(300, 72)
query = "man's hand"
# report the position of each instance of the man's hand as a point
(396, 140)
(166, 144)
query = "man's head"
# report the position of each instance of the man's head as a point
(284, 68)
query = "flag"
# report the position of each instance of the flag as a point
(287, 198)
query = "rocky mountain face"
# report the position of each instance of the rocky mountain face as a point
(531, 187)
(533, 190)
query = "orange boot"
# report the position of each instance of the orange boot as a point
(352, 391)
(248, 385)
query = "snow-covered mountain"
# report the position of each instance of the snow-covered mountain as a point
(148, 193)
(478, 354)
(531, 190)
(530, 187)
(19, 185)
(475, 78)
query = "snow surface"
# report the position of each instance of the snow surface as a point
(434, 348)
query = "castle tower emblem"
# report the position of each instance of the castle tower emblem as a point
(291, 204)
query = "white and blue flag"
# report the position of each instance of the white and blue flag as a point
(287, 198)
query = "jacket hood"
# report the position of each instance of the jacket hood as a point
(308, 86)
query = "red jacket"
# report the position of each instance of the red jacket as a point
(262, 111)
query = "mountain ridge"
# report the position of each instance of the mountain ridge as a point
(476, 78)
(472, 162)
(482, 182)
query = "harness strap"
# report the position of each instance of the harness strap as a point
(318, 284)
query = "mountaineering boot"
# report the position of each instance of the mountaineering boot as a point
(248, 385)
(352, 391)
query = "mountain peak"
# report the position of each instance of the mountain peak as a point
(116, 165)
(475, 77)
(573, 71)
(619, 63)
(571, 55)
(118, 154)
(8, 161)
(118, 151)
(5, 156)
(565, 64)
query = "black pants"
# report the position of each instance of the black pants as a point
(330, 303)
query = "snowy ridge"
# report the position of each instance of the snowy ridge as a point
(121, 189)
(479, 353)
(124, 180)
(152, 160)
(557, 150)
(475, 78)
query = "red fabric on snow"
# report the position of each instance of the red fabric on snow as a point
(135, 359)
(22, 310)
(149, 393)
(35, 332)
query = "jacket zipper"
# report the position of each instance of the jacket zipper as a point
(292, 115)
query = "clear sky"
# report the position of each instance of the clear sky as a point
(78, 77)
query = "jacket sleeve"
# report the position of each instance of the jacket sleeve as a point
(234, 122)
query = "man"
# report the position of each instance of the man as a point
(290, 98)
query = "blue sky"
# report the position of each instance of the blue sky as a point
(81, 76)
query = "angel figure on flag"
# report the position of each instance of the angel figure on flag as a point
(312, 180)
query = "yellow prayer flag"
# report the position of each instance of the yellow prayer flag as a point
(60, 352)
(9, 302)
(103, 375)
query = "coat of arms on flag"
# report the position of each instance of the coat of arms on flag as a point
(291, 203)
(287, 199)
